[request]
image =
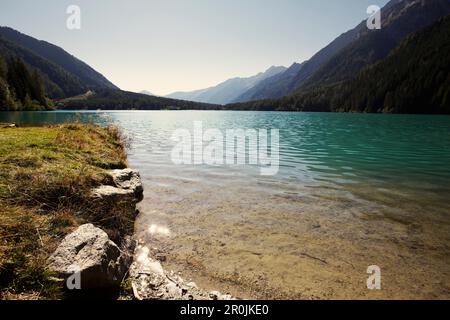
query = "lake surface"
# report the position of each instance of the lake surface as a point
(353, 190)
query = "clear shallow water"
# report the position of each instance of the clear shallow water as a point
(352, 190)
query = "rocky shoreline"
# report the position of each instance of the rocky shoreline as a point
(151, 282)
(87, 259)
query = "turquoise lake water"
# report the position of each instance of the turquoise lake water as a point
(385, 151)
(332, 166)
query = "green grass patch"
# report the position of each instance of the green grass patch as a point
(46, 174)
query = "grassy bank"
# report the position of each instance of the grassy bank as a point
(46, 174)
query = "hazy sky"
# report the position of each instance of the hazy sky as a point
(172, 45)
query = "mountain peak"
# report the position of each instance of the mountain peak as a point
(228, 90)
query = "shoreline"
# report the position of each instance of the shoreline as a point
(47, 174)
(78, 219)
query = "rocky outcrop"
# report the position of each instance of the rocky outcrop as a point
(90, 253)
(130, 180)
(115, 204)
(151, 282)
(127, 186)
(110, 193)
(99, 263)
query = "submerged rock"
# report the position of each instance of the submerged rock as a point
(90, 253)
(151, 282)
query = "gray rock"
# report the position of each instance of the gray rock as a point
(112, 193)
(128, 187)
(89, 251)
(128, 179)
(150, 281)
(214, 295)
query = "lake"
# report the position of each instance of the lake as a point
(352, 190)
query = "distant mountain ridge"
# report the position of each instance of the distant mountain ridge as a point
(414, 78)
(271, 86)
(228, 90)
(399, 19)
(355, 49)
(314, 85)
(65, 74)
(286, 82)
(146, 92)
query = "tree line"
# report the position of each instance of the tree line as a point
(20, 87)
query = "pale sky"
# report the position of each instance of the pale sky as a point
(179, 45)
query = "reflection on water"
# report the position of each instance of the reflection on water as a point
(353, 190)
(158, 230)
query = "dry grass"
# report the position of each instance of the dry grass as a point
(46, 174)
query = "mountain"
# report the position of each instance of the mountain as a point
(356, 49)
(271, 86)
(286, 82)
(188, 95)
(66, 75)
(227, 91)
(146, 92)
(399, 19)
(414, 78)
(58, 82)
(31, 71)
